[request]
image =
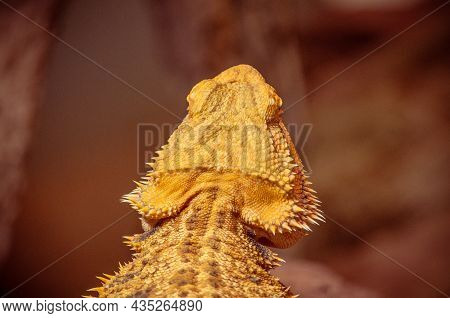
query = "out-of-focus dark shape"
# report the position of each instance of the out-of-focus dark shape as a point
(312, 279)
(420, 244)
(380, 159)
(210, 37)
(23, 56)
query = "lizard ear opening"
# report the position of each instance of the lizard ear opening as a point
(197, 97)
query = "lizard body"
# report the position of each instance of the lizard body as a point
(226, 186)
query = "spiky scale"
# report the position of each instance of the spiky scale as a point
(103, 279)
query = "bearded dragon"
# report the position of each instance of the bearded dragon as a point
(228, 185)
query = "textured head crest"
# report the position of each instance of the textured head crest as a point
(240, 93)
(233, 138)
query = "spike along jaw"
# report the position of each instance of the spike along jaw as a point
(161, 195)
(282, 206)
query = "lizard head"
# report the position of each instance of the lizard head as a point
(234, 138)
(237, 97)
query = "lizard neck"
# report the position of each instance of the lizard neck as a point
(205, 251)
(207, 215)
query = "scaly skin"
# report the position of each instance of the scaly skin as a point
(228, 183)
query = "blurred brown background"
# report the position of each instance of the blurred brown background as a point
(378, 150)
